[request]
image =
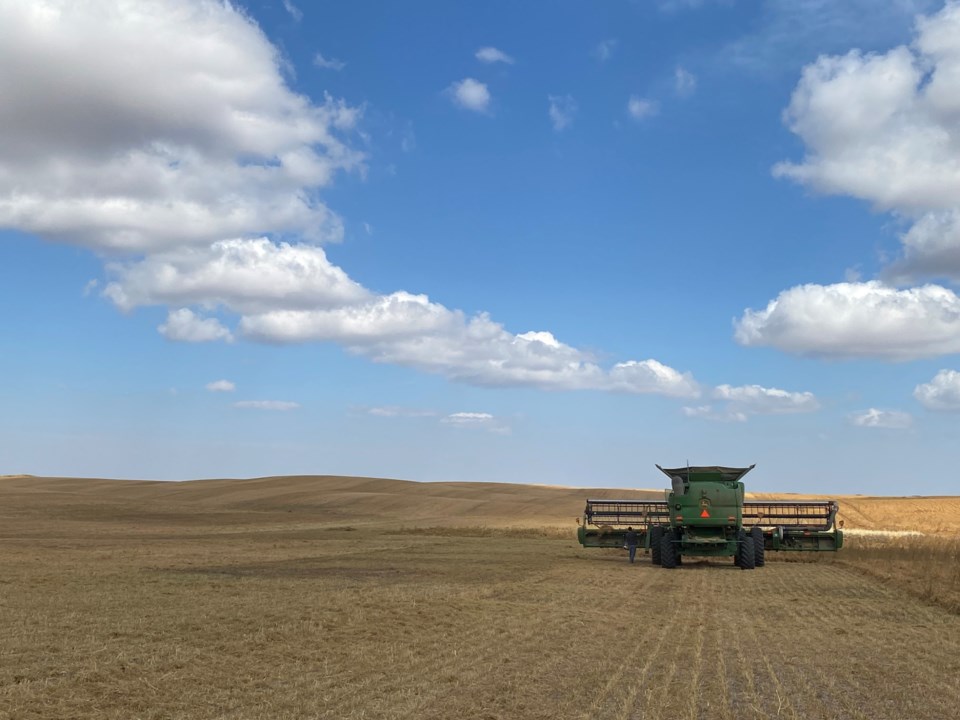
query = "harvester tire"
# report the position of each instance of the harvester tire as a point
(747, 558)
(656, 534)
(741, 536)
(757, 535)
(668, 551)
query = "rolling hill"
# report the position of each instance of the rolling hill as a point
(354, 500)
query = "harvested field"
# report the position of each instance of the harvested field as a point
(120, 601)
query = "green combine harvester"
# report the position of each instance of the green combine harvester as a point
(705, 515)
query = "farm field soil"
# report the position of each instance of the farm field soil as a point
(114, 605)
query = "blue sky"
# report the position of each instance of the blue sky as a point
(525, 242)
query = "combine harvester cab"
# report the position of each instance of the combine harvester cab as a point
(705, 514)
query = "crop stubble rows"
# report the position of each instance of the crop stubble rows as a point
(193, 620)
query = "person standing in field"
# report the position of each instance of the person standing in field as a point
(630, 539)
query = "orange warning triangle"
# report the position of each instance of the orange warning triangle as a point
(704, 513)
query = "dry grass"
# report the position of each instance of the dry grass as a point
(113, 606)
(927, 567)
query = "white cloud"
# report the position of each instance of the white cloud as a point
(758, 400)
(328, 63)
(604, 50)
(295, 12)
(493, 55)
(746, 400)
(410, 330)
(931, 248)
(468, 418)
(707, 412)
(470, 94)
(889, 419)
(185, 326)
(189, 164)
(266, 405)
(941, 393)
(639, 108)
(246, 276)
(384, 319)
(882, 128)
(648, 376)
(857, 320)
(191, 138)
(90, 286)
(221, 386)
(684, 82)
(562, 110)
(481, 420)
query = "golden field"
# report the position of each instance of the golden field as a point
(327, 597)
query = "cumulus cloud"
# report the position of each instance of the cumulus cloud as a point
(292, 294)
(328, 63)
(746, 400)
(133, 127)
(857, 320)
(221, 386)
(647, 376)
(410, 330)
(758, 400)
(882, 128)
(247, 276)
(684, 82)
(267, 405)
(163, 136)
(561, 110)
(889, 419)
(640, 108)
(941, 393)
(931, 248)
(493, 55)
(186, 326)
(470, 94)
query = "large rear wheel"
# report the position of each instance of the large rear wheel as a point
(656, 535)
(757, 535)
(668, 551)
(746, 554)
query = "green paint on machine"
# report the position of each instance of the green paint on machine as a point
(705, 515)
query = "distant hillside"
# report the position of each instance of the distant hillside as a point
(354, 500)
